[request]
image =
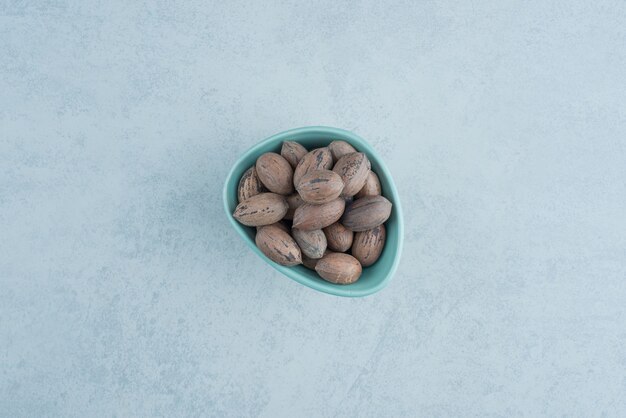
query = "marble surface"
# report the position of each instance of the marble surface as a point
(124, 291)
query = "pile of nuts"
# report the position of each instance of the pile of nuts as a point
(312, 207)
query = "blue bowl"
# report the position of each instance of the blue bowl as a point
(374, 277)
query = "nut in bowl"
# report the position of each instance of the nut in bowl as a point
(344, 190)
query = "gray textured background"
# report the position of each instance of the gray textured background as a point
(125, 292)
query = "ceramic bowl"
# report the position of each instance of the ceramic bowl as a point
(374, 277)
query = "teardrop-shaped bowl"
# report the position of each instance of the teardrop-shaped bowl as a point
(374, 277)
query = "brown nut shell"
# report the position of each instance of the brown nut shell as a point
(249, 185)
(261, 209)
(308, 216)
(371, 186)
(311, 243)
(353, 169)
(318, 159)
(338, 237)
(368, 245)
(320, 186)
(366, 213)
(278, 245)
(310, 263)
(339, 268)
(278, 224)
(294, 201)
(340, 148)
(292, 152)
(275, 173)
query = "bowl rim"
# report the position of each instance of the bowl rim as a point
(322, 286)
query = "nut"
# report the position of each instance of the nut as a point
(308, 216)
(340, 148)
(366, 213)
(318, 159)
(278, 245)
(353, 169)
(310, 263)
(275, 173)
(292, 152)
(339, 268)
(261, 209)
(294, 201)
(368, 245)
(371, 186)
(320, 186)
(312, 243)
(249, 185)
(338, 237)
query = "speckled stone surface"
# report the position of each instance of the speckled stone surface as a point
(124, 291)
